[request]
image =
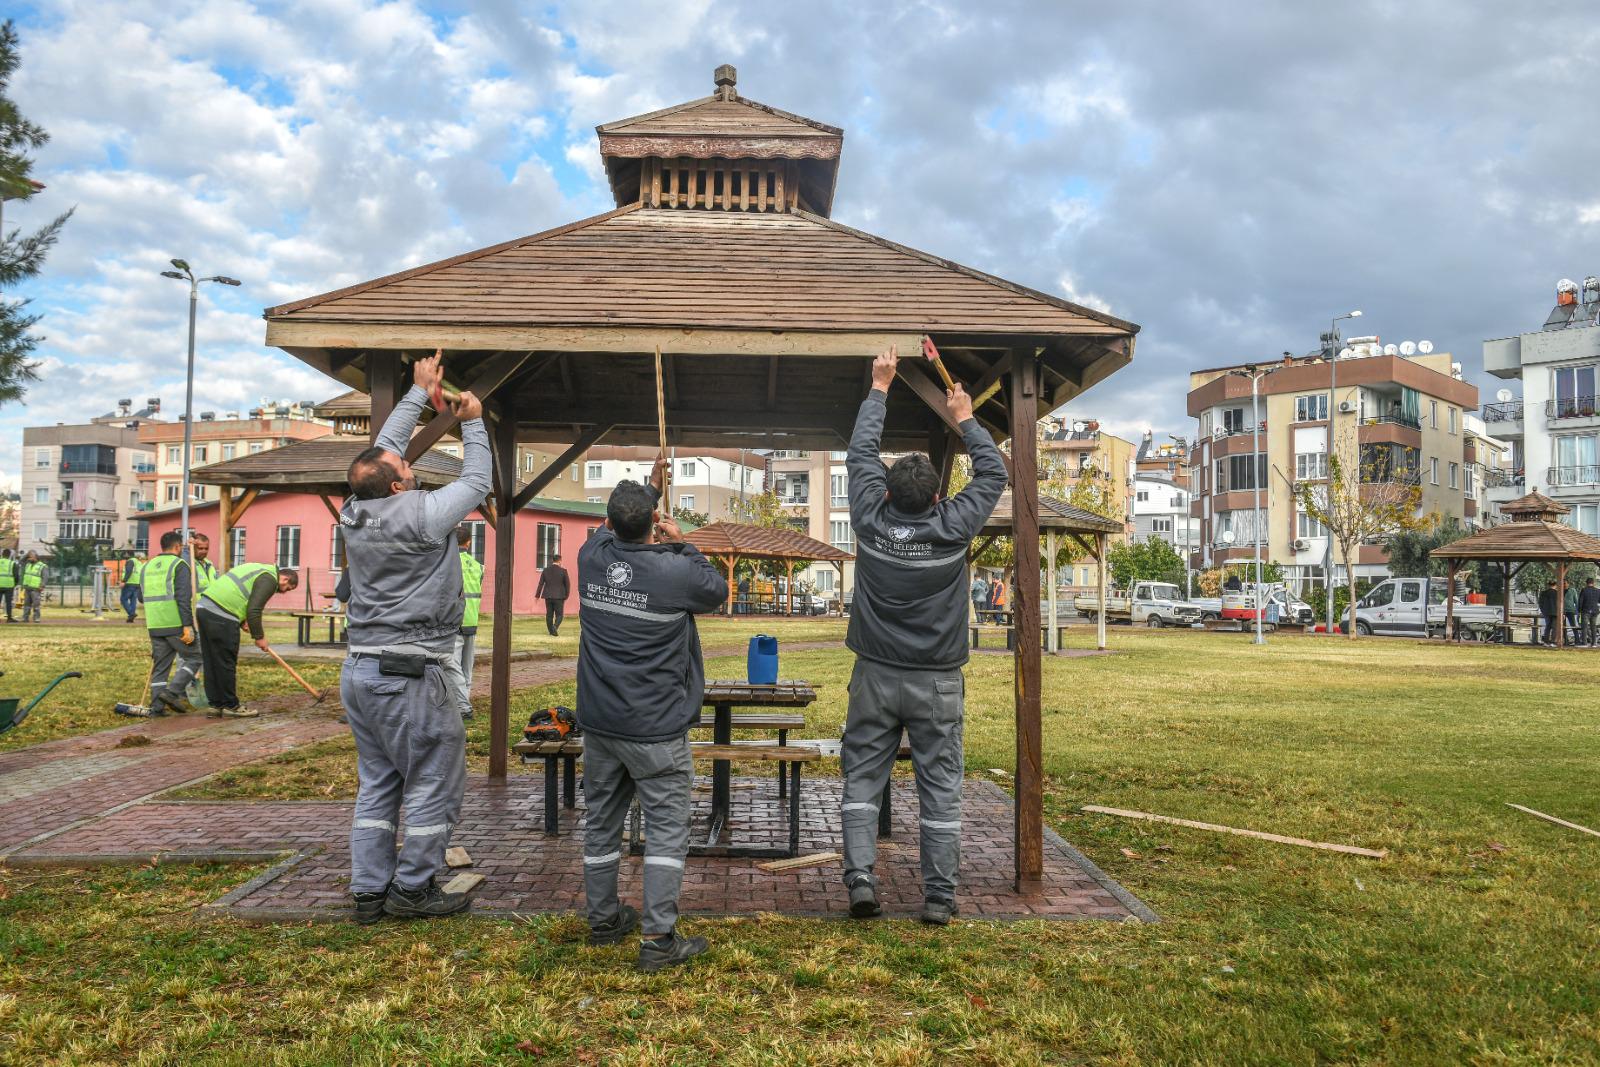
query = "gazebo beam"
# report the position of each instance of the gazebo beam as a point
(384, 387)
(560, 463)
(1029, 824)
(495, 374)
(615, 339)
(931, 395)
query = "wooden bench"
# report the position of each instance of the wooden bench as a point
(304, 621)
(780, 721)
(562, 754)
(1011, 634)
(831, 748)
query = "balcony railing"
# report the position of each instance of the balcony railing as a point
(840, 501)
(1393, 419)
(144, 468)
(1399, 477)
(1585, 474)
(1510, 411)
(1572, 407)
(1494, 478)
(80, 467)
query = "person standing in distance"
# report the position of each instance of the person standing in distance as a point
(8, 581)
(908, 629)
(554, 588)
(459, 667)
(404, 619)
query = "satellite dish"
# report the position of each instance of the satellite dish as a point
(1408, 347)
(1424, 347)
(1345, 353)
(1077, 427)
(1504, 396)
(1391, 350)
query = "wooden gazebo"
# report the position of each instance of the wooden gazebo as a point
(1535, 534)
(732, 541)
(720, 255)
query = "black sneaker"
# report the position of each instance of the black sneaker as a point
(937, 911)
(368, 907)
(428, 902)
(864, 899)
(653, 956)
(626, 922)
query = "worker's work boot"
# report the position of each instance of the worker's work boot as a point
(670, 951)
(238, 711)
(864, 899)
(626, 922)
(428, 902)
(177, 702)
(937, 911)
(368, 907)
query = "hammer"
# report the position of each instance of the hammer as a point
(439, 396)
(320, 694)
(932, 353)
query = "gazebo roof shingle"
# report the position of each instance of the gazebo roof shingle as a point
(766, 542)
(1551, 542)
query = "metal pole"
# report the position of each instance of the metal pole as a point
(188, 426)
(1255, 473)
(1333, 410)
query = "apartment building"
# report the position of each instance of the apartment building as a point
(1553, 427)
(815, 491)
(1075, 450)
(1169, 460)
(1488, 463)
(84, 482)
(710, 481)
(1161, 509)
(1392, 417)
(214, 440)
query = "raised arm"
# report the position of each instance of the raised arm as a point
(862, 464)
(969, 509)
(402, 421)
(446, 507)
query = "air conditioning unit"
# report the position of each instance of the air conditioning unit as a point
(1346, 407)
(1301, 544)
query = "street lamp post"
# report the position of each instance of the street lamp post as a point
(1256, 479)
(1333, 411)
(183, 273)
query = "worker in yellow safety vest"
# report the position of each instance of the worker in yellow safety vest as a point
(8, 581)
(233, 602)
(130, 586)
(205, 572)
(166, 584)
(458, 669)
(32, 577)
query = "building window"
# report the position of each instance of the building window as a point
(198, 492)
(174, 493)
(549, 542)
(527, 463)
(686, 502)
(841, 490)
(230, 451)
(84, 530)
(1472, 483)
(41, 494)
(236, 546)
(595, 472)
(575, 472)
(1234, 473)
(174, 455)
(1574, 392)
(594, 500)
(1433, 470)
(1433, 414)
(255, 446)
(1142, 495)
(842, 536)
(41, 530)
(1311, 408)
(200, 453)
(335, 546)
(825, 580)
(1455, 474)
(288, 546)
(1576, 459)
(1233, 420)
(1242, 524)
(1308, 527)
(1162, 525)
(1585, 517)
(88, 459)
(686, 469)
(1309, 465)
(480, 539)
(1450, 417)
(41, 458)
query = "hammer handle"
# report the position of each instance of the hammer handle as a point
(932, 353)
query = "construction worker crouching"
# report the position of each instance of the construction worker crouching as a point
(403, 618)
(640, 686)
(32, 579)
(233, 602)
(168, 591)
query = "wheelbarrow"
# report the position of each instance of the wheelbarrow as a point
(10, 717)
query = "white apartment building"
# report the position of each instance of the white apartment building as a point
(1554, 426)
(709, 481)
(84, 482)
(1161, 509)
(1488, 463)
(815, 491)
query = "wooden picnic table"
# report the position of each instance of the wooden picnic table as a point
(722, 696)
(304, 622)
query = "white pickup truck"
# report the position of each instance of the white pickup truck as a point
(1242, 605)
(1414, 607)
(1155, 604)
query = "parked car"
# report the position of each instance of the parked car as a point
(1414, 607)
(1154, 604)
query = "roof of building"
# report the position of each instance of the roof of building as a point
(317, 466)
(1534, 503)
(351, 402)
(764, 542)
(1054, 514)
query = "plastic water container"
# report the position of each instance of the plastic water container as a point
(762, 664)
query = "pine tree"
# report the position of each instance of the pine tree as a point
(21, 255)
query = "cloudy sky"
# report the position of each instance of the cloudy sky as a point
(1227, 175)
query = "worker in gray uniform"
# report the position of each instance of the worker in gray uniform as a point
(640, 686)
(908, 629)
(402, 617)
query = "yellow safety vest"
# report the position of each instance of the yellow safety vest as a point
(472, 590)
(231, 591)
(32, 575)
(158, 582)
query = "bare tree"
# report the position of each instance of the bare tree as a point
(1362, 503)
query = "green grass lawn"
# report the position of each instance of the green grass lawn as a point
(1474, 942)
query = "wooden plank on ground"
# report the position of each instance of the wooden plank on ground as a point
(456, 856)
(465, 882)
(1552, 818)
(1353, 850)
(795, 863)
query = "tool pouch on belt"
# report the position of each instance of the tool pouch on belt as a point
(404, 664)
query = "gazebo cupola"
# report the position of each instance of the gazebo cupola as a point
(722, 153)
(1535, 507)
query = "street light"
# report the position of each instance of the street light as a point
(1256, 479)
(1333, 410)
(183, 273)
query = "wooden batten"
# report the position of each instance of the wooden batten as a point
(758, 185)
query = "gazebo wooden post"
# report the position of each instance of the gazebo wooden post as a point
(1029, 812)
(1052, 632)
(788, 572)
(503, 442)
(1505, 569)
(224, 526)
(733, 561)
(1561, 602)
(1450, 603)
(1100, 584)
(383, 387)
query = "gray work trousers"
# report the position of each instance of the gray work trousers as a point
(31, 599)
(163, 651)
(927, 705)
(410, 750)
(662, 774)
(458, 671)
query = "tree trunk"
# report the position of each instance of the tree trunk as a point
(1350, 584)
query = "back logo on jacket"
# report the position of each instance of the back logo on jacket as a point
(901, 534)
(619, 574)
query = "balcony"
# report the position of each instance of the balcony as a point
(73, 466)
(1585, 474)
(1571, 407)
(144, 468)
(1495, 478)
(1394, 418)
(1391, 477)
(1510, 411)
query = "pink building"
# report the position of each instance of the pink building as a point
(296, 530)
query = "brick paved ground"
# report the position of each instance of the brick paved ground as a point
(502, 828)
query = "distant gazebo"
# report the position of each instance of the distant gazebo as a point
(720, 258)
(1535, 534)
(731, 542)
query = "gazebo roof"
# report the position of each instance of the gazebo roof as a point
(316, 466)
(1551, 542)
(763, 542)
(1054, 514)
(1534, 504)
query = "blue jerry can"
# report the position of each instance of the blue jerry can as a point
(762, 665)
